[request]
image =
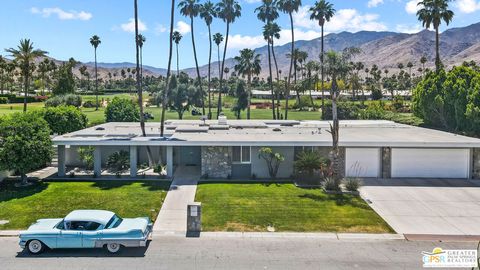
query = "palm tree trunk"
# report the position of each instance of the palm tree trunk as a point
(278, 78)
(437, 50)
(335, 129)
(287, 91)
(322, 56)
(209, 79)
(219, 107)
(271, 79)
(96, 81)
(138, 84)
(178, 68)
(141, 67)
(167, 85)
(249, 93)
(199, 78)
(25, 88)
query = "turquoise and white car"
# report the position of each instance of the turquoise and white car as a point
(86, 229)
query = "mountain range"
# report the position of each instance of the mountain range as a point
(385, 49)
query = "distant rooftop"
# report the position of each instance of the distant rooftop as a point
(361, 133)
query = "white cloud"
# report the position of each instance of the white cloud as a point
(412, 6)
(374, 3)
(62, 14)
(160, 28)
(408, 29)
(253, 1)
(130, 26)
(343, 20)
(182, 27)
(236, 42)
(468, 6)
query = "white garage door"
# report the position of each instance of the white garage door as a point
(430, 163)
(362, 162)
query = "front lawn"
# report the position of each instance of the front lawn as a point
(253, 207)
(23, 206)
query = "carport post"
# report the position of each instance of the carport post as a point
(169, 161)
(97, 161)
(61, 160)
(133, 161)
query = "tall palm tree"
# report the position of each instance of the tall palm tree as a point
(423, 60)
(218, 39)
(141, 40)
(433, 12)
(177, 37)
(248, 64)
(191, 8)
(138, 80)
(3, 68)
(207, 13)
(322, 11)
(267, 13)
(25, 56)
(289, 7)
(95, 41)
(167, 79)
(228, 11)
(275, 34)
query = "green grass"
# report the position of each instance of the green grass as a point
(254, 206)
(23, 206)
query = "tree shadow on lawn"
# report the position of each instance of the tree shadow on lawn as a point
(8, 190)
(112, 184)
(340, 200)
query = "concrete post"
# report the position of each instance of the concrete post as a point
(194, 219)
(133, 161)
(97, 161)
(169, 161)
(61, 160)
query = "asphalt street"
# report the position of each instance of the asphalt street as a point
(174, 252)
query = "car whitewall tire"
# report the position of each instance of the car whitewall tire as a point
(35, 247)
(113, 247)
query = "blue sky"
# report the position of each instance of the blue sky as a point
(63, 27)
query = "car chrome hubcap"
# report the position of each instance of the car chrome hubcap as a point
(35, 246)
(113, 247)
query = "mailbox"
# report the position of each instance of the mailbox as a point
(194, 218)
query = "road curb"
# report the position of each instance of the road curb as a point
(442, 238)
(9, 233)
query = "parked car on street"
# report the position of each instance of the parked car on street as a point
(86, 229)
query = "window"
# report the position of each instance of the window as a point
(83, 225)
(113, 222)
(241, 154)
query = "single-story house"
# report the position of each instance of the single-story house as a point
(229, 148)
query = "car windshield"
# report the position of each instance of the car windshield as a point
(113, 222)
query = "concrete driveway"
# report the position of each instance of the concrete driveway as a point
(426, 206)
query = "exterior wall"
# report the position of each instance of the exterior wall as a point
(386, 162)
(156, 153)
(476, 163)
(259, 166)
(241, 171)
(216, 161)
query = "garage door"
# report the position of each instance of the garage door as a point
(430, 163)
(362, 162)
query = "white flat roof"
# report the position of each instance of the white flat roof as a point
(353, 133)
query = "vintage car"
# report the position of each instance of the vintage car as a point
(86, 229)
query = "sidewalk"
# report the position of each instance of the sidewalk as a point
(43, 173)
(172, 218)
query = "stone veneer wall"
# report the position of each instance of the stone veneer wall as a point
(476, 163)
(386, 162)
(216, 161)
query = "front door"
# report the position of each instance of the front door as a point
(69, 239)
(190, 155)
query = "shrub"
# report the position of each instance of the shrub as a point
(309, 161)
(54, 101)
(331, 184)
(3, 100)
(272, 159)
(345, 110)
(377, 94)
(374, 111)
(90, 104)
(86, 156)
(352, 184)
(119, 161)
(122, 110)
(398, 103)
(68, 100)
(65, 119)
(305, 102)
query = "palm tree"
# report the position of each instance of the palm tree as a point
(228, 11)
(141, 41)
(207, 13)
(322, 11)
(177, 37)
(25, 56)
(191, 8)
(289, 7)
(3, 68)
(218, 38)
(167, 79)
(248, 64)
(433, 12)
(267, 13)
(95, 41)
(138, 79)
(423, 61)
